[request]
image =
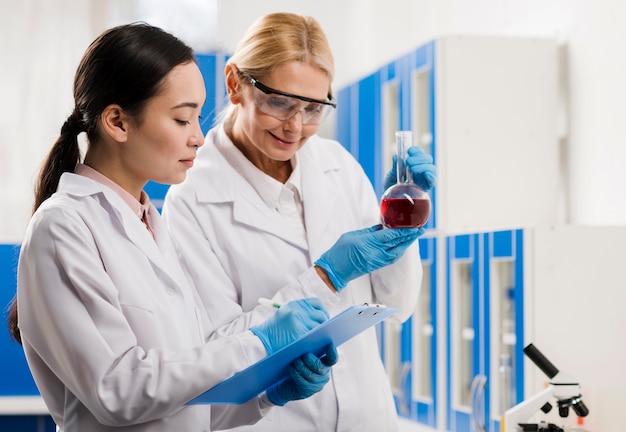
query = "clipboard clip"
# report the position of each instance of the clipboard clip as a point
(377, 305)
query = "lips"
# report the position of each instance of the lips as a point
(188, 162)
(282, 140)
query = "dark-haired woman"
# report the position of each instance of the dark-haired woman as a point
(107, 316)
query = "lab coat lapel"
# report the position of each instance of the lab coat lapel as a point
(249, 209)
(140, 236)
(319, 197)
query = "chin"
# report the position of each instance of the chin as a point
(178, 179)
(172, 179)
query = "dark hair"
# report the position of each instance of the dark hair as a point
(126, 66)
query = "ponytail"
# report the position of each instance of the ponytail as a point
(63, 157)
(14, 330)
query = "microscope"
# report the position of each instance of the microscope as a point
(561, 386)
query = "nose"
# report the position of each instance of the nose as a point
(196, 139)
(294, 123)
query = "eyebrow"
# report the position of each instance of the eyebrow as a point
(186, 105)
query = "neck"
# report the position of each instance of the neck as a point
(107, 168)
(277, 169)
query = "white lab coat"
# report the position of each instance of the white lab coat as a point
(241, 250)
(110, 326)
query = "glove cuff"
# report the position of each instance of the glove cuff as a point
(260, 333)
(337, 280)
(274, 396)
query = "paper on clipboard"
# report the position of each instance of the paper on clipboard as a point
(254, 380)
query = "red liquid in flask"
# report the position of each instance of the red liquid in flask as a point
(401, 212)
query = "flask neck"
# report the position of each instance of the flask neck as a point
(403, 172)
(403, 143)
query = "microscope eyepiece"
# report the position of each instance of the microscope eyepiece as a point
(541, 361)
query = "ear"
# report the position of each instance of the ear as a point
(115, 122)
(232, 84)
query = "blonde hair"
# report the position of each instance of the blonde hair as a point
(278, 38)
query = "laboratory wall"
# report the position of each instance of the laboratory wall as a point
(41, 42)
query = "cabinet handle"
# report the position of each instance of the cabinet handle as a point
(405, 394)
(477, 416)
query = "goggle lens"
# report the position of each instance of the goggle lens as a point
(285, 107)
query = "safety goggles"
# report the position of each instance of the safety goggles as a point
(283, 106)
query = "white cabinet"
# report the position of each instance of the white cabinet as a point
(495, 132)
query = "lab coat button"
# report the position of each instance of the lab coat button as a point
(170, 290)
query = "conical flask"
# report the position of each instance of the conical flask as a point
(405, 204)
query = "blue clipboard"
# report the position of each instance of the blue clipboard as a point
(254, 380)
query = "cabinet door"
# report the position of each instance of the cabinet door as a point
(424, 371)
(504, 264)
(465, 313)
(421, 90)
(410, 349)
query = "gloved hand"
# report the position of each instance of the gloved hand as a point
(420, 166)
(360, 252)
(291, 320)
(307, 375)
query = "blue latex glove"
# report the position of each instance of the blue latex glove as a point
(420, 166)
(307, 375)
(360, 252)
(291, 320)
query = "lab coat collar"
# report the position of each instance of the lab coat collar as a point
(80, 186)
(318, 191)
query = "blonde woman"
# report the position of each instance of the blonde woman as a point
(284, 196)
